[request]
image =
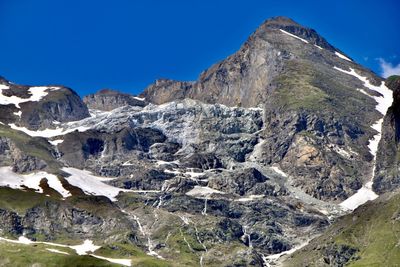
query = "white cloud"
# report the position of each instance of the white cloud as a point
(388, 69)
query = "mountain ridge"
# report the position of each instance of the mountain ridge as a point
(247, 163)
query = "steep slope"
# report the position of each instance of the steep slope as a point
(312, 97)
(387, 175)
(367, 237)
(39, 107)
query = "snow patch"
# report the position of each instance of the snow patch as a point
(249, 198)
(48, 133)
(139, 98)
(342, 56)
(57, 251)
(363, 195)
(318, 46)
(19, 113)
(203, 191)
(374, 142)
(297, 37)
(384, 101)
(86, 247)
(56, 142)
(162, 162)
(278, 171)
(93, 185)
(270, 260)
(124, 262)
(8, 178)
(83, 249)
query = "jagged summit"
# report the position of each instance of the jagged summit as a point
(280, 47)
(290, 26)
(280, 21)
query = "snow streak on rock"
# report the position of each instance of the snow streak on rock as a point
(294, 36)
(384, 101)
(342, 56)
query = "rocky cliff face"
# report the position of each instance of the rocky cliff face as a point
(387, 176)
(39, 107)
(248, 77)
(107, 100)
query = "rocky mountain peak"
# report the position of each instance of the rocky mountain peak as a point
(38, 107)
(290, 26)
(108, 99)
(281, 21)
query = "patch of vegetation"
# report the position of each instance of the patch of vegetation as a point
(20, 201)
(128, 251)
(14, 255)
(393, 81)
(296, 89)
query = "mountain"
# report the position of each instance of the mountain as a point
(311, 104)
(268, 149)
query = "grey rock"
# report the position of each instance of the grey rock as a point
(107, 100)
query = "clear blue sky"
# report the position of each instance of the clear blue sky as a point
(127, 44)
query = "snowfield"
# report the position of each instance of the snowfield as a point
(91, 184)
(8, 178)
(48, 133)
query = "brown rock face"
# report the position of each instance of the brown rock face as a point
(250, 76)
(107, 100)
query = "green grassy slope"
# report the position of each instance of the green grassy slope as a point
(368, 237)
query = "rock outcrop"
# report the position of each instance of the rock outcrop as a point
(39, 107)
(107, 100)
(387, 174)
